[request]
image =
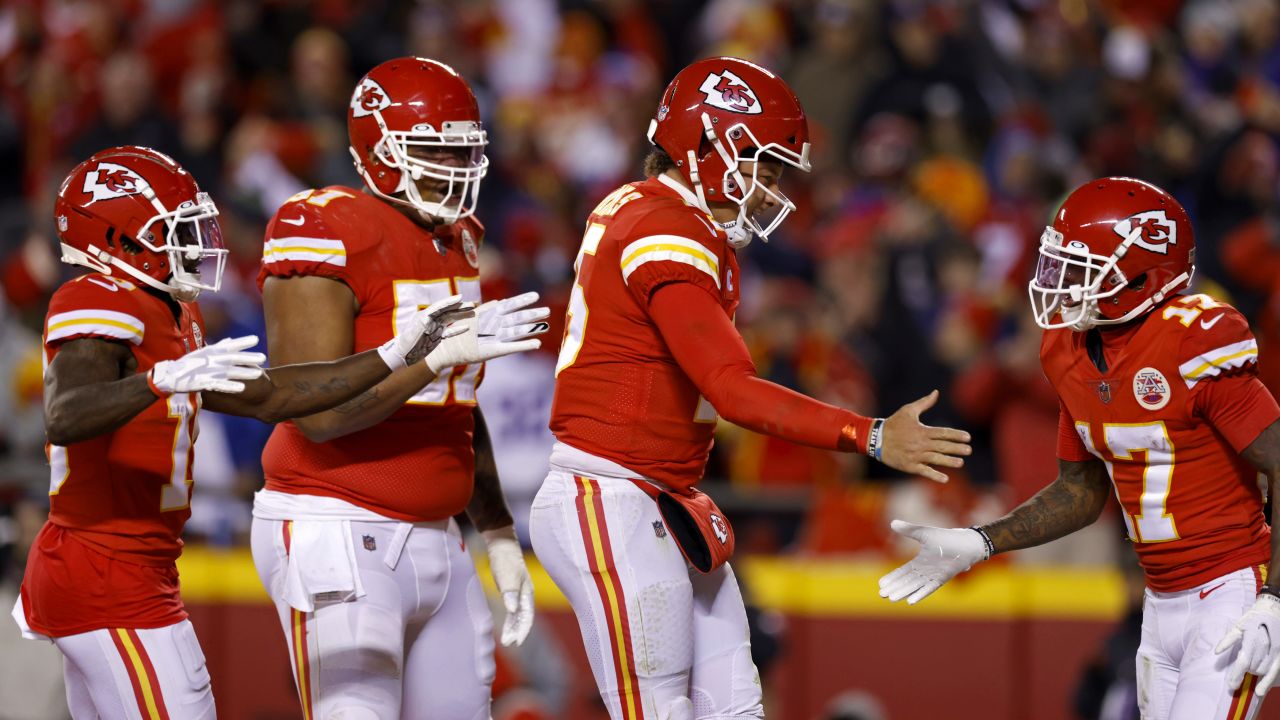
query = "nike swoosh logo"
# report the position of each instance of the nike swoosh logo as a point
(107, 285)
(295, 221)
(1206, 324)
(1205, 593)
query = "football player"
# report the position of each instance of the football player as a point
(1160, 400)
(126, 374)
(354, 535)
(650, 357)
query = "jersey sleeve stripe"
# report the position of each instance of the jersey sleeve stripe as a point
(95, 322)
(1214, 362)
(320, 250)
(307, 242)
(670, 248)
(305, 249)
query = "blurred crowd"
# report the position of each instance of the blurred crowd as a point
(945, 132)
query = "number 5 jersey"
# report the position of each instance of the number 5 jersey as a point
(1169, 404)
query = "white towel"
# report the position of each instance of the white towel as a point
(20, 617)
(321, 560)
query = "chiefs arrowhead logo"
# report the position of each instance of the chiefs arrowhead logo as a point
(727, 91)
(1158, 231)
(720, 528)
(368, 98)
(109, 180)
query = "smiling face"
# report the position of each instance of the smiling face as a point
(763, 178)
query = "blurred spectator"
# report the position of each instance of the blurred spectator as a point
(944, 135)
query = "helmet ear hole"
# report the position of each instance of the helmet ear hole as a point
(1137, 283)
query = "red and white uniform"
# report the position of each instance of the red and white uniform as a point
(619, 392)
(1178, 402)
(100, 578)
(357, 532)
(417, 464)
(656, 632)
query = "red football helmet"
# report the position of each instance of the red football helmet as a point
(136, 210)
(1117, 247)
(410, 103)
(719, 112)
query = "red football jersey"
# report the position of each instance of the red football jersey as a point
(125, 495)
(418, 464)
(619, 393)
(1178, 402)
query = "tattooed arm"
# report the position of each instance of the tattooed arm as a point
(292, 390)
(312, 319)
(1069, 503)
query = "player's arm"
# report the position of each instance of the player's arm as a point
(1071, 502)
(90, 389)
(489, 513)
(293, 390)
(710, 351)
(311, 319)
(488, 508)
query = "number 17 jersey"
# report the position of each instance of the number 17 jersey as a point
(1177, 403)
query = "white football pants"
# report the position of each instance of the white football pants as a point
(658, 633)
(1180, 677)
(127, 674)
(418, 644)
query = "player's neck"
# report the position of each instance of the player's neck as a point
(167, 299)
(721, 212)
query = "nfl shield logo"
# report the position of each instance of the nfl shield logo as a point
(369, 543)
(659, 529)
(1104, 392)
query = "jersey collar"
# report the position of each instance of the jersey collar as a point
(685, 193)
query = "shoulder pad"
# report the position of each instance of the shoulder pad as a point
(95, 305)
(1216, 338)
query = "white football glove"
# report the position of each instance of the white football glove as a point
(218, 367)
(944, 553)
(427, 328)
(1256, 635)
(499, 327)
(511, 575)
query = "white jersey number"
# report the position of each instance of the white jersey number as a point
(458, 383)
(1150, 521)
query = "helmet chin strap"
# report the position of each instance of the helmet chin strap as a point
(740, 234)
(103, 262)
(1164, 292)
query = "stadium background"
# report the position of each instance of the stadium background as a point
(944, 135)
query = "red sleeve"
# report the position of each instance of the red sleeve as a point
(96, 306)
(710, 351)
(309, 235)
(672, 247)
(1238, 406)
(1070, 447)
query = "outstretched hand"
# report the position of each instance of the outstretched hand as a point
(913, 447)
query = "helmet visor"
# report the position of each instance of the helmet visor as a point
(1069, 281)
(193, 241)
